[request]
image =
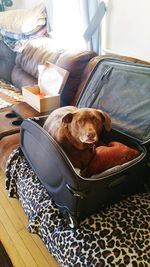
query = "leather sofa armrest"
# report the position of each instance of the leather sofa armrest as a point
(7, 145)
(87, 71)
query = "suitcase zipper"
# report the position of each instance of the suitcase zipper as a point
(104, 79)
(76, 193)
(112, 60)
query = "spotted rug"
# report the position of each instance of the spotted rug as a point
(118, 236)
(9, 95)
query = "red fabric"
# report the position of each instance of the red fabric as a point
(109, 156)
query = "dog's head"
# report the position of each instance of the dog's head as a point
(85, 125)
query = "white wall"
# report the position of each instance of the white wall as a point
(127, 25)
(17, 4)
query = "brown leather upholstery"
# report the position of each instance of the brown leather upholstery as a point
(25, 111)
(37, 51)
(89, 67)
(42, 50)
(7, 61)
(7, 145)
(21, 78)
(75, 63)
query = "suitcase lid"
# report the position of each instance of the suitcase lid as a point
(122, 89)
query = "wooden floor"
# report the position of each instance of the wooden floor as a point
(24, 249)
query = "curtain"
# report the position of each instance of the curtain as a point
(49, 11)
(76, 23)
(66, 24)
(92, 12)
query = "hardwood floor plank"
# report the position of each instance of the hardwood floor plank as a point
(11, 211)
(37, 255)
(14, 202)
(45, 251)
(1, 175)
(18, 242)
(19, 211)
(14, 234)
(10, 247)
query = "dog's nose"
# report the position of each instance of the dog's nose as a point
(89, 138)
(91, 135)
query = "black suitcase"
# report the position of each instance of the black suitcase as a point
(122, 89)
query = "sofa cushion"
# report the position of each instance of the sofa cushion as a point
(75, 62)
(37, 51)
(7, 61)
(42, 50)
(21, 78)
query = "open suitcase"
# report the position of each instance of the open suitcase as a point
(122, 89)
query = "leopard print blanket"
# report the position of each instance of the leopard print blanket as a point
(118, 236)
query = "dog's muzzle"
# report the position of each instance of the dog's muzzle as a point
(89, 139)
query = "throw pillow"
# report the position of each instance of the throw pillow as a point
(23, 20)
(111, 155)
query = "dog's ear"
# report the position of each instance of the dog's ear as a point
(67, 118)
(106, 120)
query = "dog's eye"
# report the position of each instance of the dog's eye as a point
(95, 119)
(80, 121)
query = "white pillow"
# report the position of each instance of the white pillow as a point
(23, 20)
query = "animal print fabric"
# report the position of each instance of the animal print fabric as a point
(118, 236)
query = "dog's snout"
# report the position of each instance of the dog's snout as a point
(91, 135)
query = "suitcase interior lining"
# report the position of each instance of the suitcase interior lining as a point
(122, 91)
(105, 138)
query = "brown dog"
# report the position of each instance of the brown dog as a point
(77, 131)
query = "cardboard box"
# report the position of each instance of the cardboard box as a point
(45, 96)
(31, 95)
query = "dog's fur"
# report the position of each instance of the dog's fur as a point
(77, 131)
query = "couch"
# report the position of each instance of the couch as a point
(115, 236)
(21, 68)
(7, 61)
